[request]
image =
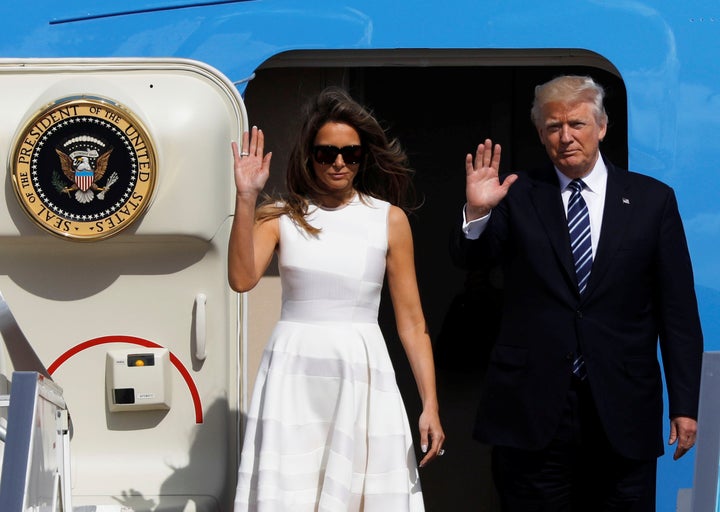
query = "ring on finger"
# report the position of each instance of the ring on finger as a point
(244, 153)
(441, 452)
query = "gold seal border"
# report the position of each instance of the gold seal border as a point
(62, 111)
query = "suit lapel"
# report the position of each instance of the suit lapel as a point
(617, 213)
(549, 207)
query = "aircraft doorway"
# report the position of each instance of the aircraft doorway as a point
(440, 105)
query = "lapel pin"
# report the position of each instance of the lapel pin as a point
(625, 200)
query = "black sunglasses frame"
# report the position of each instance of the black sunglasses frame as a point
(328, 154)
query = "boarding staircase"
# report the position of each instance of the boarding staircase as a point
(35, 431)
(35, 446)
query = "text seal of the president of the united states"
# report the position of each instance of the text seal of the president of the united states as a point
(84, 168)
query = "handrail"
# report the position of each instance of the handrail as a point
(36, 459)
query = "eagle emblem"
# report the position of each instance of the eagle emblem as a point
(85, 167)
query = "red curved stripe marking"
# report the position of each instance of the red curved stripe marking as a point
(135, 341)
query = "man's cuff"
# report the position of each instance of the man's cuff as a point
(474, 228)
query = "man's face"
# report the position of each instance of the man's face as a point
(571, 136)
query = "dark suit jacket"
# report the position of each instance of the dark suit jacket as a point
(640, 291)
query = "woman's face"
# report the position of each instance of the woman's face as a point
(336, 156)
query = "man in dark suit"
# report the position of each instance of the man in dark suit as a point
(572, 401)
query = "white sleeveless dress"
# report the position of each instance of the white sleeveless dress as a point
(326, 428)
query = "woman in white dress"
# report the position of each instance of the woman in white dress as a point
(327, 428)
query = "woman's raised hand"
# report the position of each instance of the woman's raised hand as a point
(251, 165)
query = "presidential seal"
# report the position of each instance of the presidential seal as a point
(84, 168)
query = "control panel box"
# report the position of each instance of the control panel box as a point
(138, 380)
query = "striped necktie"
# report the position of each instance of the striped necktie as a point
(579, 227)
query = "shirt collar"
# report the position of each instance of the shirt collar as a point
(594, 181)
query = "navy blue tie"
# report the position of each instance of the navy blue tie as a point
(579, 227)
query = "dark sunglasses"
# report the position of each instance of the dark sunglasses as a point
(328, 154)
